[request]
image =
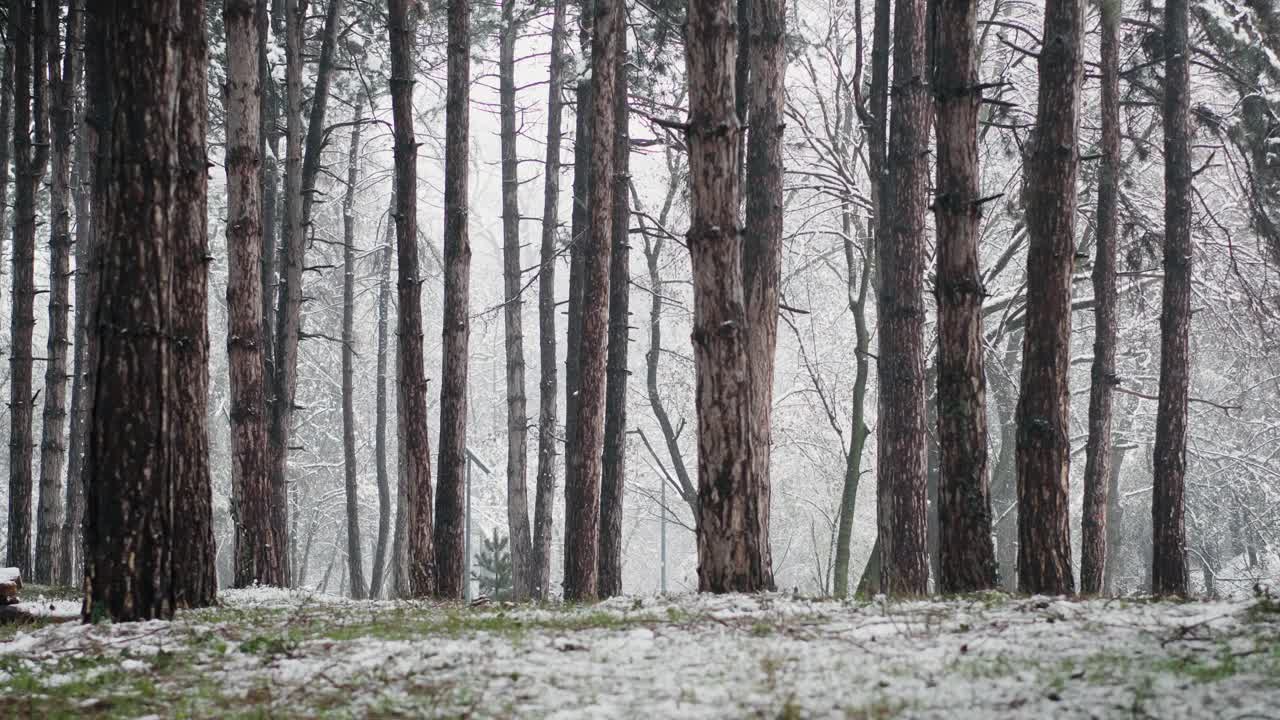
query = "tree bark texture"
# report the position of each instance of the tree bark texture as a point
(580, 240)
(258, 551)
(1169, 535)
(380, 412)
(1044, 452)
(544, 499)
(967, 556)
(900, 256)
(411, 373)
(614, 463)
(355, 559)
(1098, 451)
(521, 542)
(450, 521)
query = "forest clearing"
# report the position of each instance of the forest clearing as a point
(270, 653)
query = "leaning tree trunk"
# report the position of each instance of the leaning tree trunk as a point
(1169, 536)
(355, 560)
(258, 551)
(1044, 452)
(380, 414)
(522, 572)
(762, 245)
(28, 28)
(412, 407)
(613, 467)
(544, 499)
(64, 76)
(900, 256)
(1098, 451)
(450, 520)
(582, 497)
(967, 556)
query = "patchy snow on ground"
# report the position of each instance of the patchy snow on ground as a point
(276, 653)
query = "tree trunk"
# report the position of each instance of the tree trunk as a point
(380, 419)
(544, 500)
(1169, 536)
(762, 246)
(27, 27)
(268, 148)
(1044, 452)
(522, 571)
(967, 556)
(6, 130)
(1004, 483)
(258, 553)
(580, 231)
(1098, 453)
(145, 427)
(64, 76)
(412, 402)
(355, 559)
(613, 466)
(582, 497)
(901, 481)
(858, 427)
(450, 521)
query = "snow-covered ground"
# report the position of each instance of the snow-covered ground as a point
(271, 653)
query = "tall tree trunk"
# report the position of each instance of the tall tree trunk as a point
(411, 374)
(858, 427)
(730, 556)
(1004, 483)
(6, 131)
(1098, 453)
(450, 521)
(762, 249)
(1169, 536)
(268, 149)
(544, 500)
(144, 445)
(259, 551)
(64, 76)
(582, 497)
(355, 559)
(380, 414)
(28, 28)
(1044, 452)
(195, 576)
(614, 465)
(967, 561)
(901, 477)
(522, 572)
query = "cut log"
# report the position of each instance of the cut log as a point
(10, 584)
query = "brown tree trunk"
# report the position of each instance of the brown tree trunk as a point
(258, 554)
(411, 375)
(614, 465)
(380, 416)
(145, 427)
(1169, 536)
(582, 495)
(64, 76)
(1098, 453)
(730, 553)
(355, 559)
(544, 500)
(580, 239)
(1044, 452)
(967, 561)
(900, 258)
(450, 520)
(522, 571)
(762, 245)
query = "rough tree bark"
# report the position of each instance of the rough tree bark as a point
(411, 374)
(967, 556)
(380, 413)
(521, 543)
(64, 76)
(355, 559)
(257, 549)
(1044, 453)
(1169, 536)
(450, 520)
(1098, 452)
(900, 365)
(544, 499)
(613, 466)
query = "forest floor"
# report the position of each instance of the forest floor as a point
(276, 654)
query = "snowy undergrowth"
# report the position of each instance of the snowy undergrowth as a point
(272, 653)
